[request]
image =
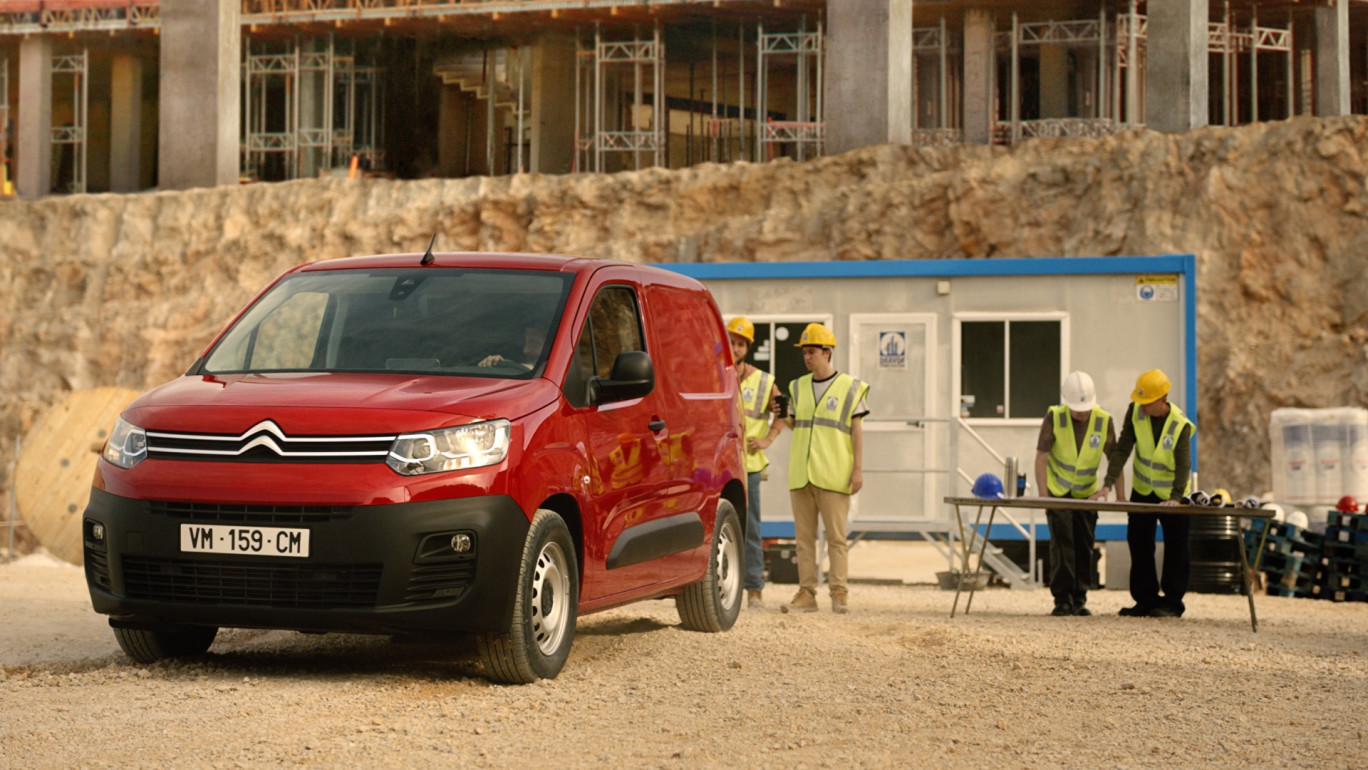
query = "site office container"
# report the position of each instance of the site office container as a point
(386, 445)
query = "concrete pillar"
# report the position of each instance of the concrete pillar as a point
(1176, 77)
(867, 93)
(33, 148)
(125, 123)
(201, 94)
(1054, 81)
(979, 73)
(553, 105)
(1332, 59)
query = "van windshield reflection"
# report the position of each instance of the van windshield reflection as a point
(484, 323)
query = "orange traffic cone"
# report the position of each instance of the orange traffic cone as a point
(354, 169)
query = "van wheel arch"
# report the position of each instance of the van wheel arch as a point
(545, 608)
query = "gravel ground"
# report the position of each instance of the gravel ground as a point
(897, 682)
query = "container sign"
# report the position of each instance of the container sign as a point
(1156, 288)
(893, 350)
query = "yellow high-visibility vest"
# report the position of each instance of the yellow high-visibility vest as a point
(1071, 471)
(1154, 464)
(822, 453)
(755, 392)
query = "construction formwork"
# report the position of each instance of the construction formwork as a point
(666, 82)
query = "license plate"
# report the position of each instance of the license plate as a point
(247, 541)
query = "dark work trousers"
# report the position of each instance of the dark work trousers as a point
(1071, 556)
(1144, 583)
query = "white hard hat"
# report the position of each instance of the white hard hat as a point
(1297, 519)
(1279, 515)
(1078, 393)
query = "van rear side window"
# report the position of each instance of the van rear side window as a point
(686, 356)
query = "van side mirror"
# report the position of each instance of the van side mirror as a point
(633, 376)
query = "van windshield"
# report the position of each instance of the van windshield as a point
(487, 323)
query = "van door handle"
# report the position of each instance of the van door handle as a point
(656, 425)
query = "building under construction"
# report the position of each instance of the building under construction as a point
(124, 95)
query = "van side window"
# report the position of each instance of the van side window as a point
(613, 326)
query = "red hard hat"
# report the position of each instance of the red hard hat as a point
(1347, 504)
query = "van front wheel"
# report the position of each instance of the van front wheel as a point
(545, 607)
(713, 603)
(149, 646)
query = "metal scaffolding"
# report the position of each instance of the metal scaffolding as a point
(606, 123)
(1128, 89)
(937, 91)
(308, 108)
(4, 125)
(1088, 39)
(73, 135)
(806, 132)
(1229, 41)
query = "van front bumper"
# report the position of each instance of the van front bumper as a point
(386, 569)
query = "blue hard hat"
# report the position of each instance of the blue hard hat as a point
(988, 485)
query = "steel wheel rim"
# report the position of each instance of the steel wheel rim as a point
(728, 566)
(550, 601)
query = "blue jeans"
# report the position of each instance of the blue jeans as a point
(755, 549)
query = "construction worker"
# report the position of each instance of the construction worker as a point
(1161, 436)
(759, 395)
(1074, 437)
(824, 465)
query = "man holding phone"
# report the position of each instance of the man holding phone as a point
(759, 402)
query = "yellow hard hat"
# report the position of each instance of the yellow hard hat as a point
(1150, 387)
(742, 327)
(816, 334)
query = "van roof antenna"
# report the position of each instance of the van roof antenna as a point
(427, 255)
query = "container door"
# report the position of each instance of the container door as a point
(902, 475)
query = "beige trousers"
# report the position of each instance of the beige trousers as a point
(834, 508)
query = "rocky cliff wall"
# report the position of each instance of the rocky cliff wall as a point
(124, 290)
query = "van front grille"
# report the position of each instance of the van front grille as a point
(315, 586)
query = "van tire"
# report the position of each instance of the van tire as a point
(713, 603)
(545, 607)
(149, 646)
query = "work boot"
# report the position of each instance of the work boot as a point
(1061, 609)
(803, 601)
(753, 600)
(839, 604)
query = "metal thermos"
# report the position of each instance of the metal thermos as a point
(1009, 475)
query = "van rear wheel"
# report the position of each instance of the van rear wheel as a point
(149, 646)
(713, 603)
(545, 607)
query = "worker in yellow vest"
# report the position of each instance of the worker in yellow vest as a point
(759, 396)
(1161, 436)
(824, 465)
(1074, 437)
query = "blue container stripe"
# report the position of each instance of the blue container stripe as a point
(783, 530)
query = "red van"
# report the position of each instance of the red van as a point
(423, 446)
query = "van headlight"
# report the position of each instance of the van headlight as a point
(127, 445)
(450, 449)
